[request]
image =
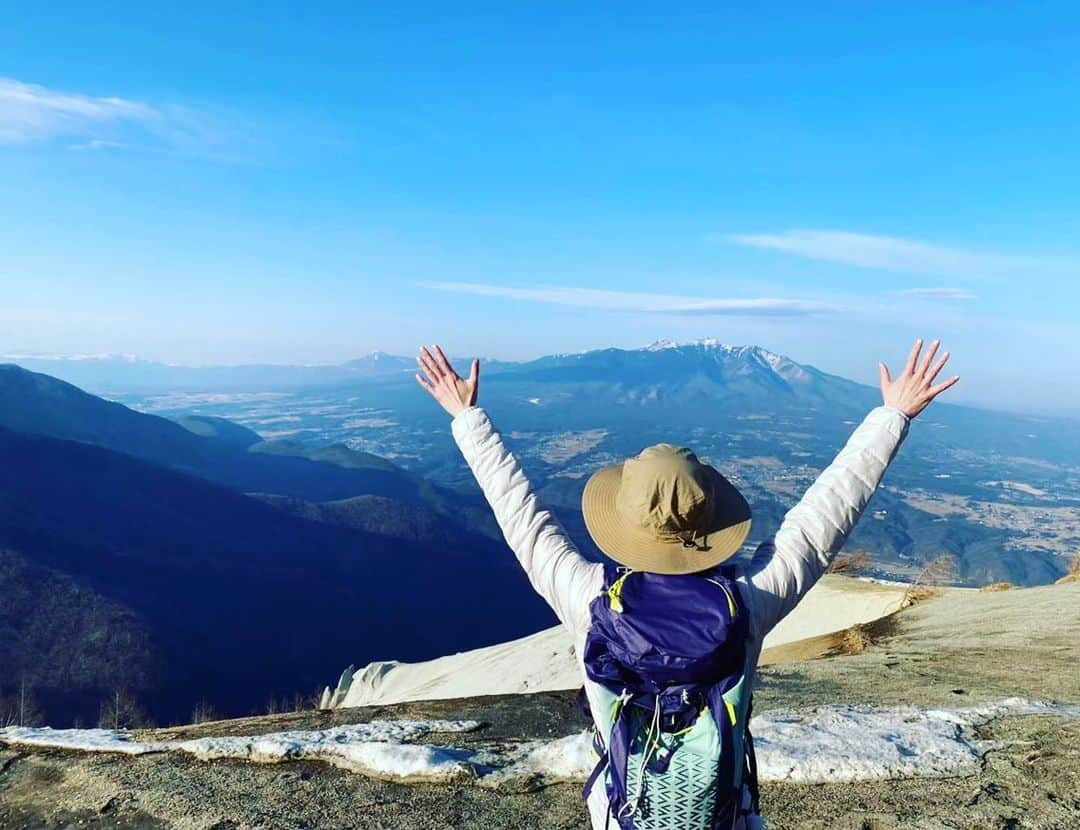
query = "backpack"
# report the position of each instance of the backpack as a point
(667, 657)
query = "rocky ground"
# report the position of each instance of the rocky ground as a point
(952, 651)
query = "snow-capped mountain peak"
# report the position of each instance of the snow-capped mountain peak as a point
(707, 343)
(780, 365)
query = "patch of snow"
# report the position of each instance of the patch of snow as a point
(827, 744)
(706, 343)
(84, 740)
(830, 744)
(377, 748)
(564, 759)
(861, 743)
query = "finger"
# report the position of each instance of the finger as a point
(909, 367)
(934, 391)
(427, 359)
(432, 376)
(424, 382)
(432, 380)
(444, 364)
(429, 370)
(474, 373)
(886, 378)
(929, 358)
(937, 368)
(430, 366)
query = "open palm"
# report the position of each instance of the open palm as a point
(453, 392)
(914, 389)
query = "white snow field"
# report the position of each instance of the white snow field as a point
(378, 748)
(545, 661)
(828, 744)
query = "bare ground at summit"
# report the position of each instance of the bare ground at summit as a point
(953, 651)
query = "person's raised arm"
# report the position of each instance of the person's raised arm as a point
(558, 572)
(785, 567)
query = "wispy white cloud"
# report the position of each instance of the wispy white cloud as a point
(100, 145)
(895, 254)
(937, 293)
(643, 302)
(34, 114)
(29, 112)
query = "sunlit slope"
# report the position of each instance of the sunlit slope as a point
(546, 662)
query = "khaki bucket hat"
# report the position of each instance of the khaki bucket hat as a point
(666, 512)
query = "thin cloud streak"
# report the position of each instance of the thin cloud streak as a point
(33, 114)
(643, 302)
(888, 253)
(959, 294)
(29, 112)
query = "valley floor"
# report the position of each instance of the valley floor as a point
(953, 652)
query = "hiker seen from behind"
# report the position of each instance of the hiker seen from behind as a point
(669, 631)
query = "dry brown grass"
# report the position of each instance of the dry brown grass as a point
(854, 640)
(918, 593)
(996, 586)
(1073, 573)
(849, 563)
(861, 636)
(850, 641)
(935, 573)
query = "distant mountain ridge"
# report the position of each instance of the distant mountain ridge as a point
(123, 373)
(126, 372)
(666, 370)
(217, 450)
(712, 359)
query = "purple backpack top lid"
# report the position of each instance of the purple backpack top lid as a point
(655, 633)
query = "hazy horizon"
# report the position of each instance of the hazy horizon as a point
(869, 377)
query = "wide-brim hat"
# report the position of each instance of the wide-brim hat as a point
(666, 512)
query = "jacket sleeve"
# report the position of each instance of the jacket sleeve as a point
(559, 573)
(785, 567)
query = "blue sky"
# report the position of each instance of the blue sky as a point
(278, 183)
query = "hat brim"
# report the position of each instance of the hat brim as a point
(642, 550)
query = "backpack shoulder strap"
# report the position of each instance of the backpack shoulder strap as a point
(615, 577)
(751, 775)
(725, 716)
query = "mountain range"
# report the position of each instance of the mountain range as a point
(196, 538)
(996, 490)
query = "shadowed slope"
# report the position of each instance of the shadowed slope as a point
(242, 601)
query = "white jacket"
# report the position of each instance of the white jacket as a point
(780, 573)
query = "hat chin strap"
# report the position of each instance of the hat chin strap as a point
(688, 540)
